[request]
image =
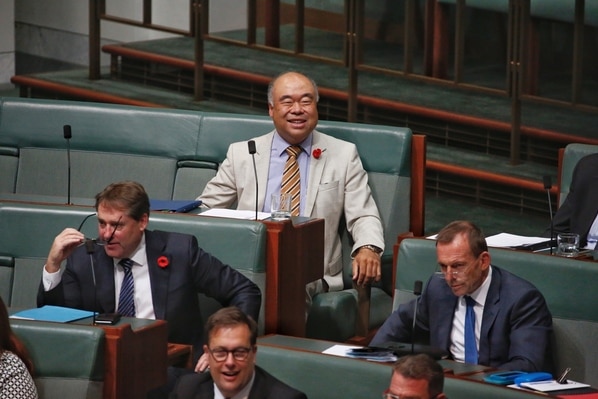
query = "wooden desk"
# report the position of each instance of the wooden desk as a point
(135, 358)
(295, 257)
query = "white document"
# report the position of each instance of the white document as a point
(235, 214)
(512, 240)
(340, 350)
(552, 385)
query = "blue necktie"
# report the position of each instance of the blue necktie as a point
(471, 350)
(126, 299)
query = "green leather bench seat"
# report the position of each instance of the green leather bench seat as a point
(28, 231)
(174, 153)
(329, 377)
(68, 359)
(567, 284)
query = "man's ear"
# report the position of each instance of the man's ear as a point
(441, 396)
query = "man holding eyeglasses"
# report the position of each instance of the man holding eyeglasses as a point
(416, 377)
(231, 345)
(167, 270)
(507, 317)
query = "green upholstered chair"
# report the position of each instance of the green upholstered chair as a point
(568, 158)
(68, 358)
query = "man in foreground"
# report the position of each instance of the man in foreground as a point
(416, 377)
(231, 348)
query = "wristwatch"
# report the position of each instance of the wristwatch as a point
(372, 248)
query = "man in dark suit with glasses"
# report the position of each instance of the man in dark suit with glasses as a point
(231, 350)
(505, 317)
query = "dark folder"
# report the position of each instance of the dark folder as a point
(178, 206)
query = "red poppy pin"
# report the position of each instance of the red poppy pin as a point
(163, 262)
(317, 153)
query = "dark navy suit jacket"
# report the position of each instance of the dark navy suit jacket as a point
(265, 386)
(580, 208)
(174, 288)
(516, 324)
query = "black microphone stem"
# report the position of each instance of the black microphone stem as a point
(252, 151)
(89, 247)
(67, 136)
(551, 222)
(417, 290)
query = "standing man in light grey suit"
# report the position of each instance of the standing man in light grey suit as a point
(332, 180)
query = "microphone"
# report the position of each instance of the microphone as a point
(417, 291)
(252, 151)
(67, 136)
(547, 186)
(89, 247)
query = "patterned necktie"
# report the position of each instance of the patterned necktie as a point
(126, 299)
(471, 350)
(291, 182)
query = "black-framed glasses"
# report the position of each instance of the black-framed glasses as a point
(98, 240)
(221, 354)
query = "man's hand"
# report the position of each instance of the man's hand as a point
(366, 267)
(63, 245)
(202, 363)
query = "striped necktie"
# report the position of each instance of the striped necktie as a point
(126, 299)
(291, 182)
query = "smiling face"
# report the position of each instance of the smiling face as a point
(294, 107)
(463, 271)
(127, 231)
(231, 375)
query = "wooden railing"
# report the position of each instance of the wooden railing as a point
(425, 41)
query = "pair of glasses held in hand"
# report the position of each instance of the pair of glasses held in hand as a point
(99, 241)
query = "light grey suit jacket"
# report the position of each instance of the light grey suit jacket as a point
(337, 186)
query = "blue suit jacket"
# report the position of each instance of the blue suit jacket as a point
(265, 386)
(516, 324)
(174, 288)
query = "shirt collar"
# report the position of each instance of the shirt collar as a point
(480, 294)
(280, 145)
(243, 394)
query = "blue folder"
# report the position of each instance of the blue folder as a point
(52, 313)
(178, 206)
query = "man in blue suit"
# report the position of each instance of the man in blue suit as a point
(168, 269)
(515, 328)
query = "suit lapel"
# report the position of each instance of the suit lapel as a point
(262, 164)
(104, 271)
(316, 169)
(491, 309)
(445, 314)
(159, 276)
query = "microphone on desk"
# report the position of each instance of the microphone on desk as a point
(547, 186)
(89, 247)
(417, 291)
(101, 318)
(66, 129)
(252, 151)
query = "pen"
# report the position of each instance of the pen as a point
(563, 377)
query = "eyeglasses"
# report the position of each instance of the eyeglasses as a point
(388, 395)
(457, 271)
(221, 354)
(98, 240)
